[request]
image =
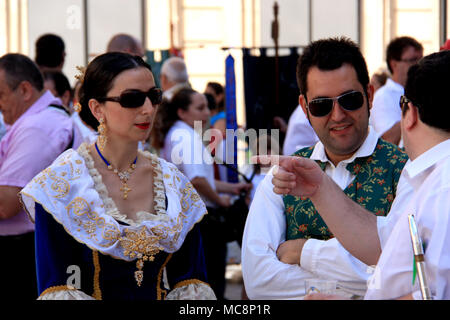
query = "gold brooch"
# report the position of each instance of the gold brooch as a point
(140, 245)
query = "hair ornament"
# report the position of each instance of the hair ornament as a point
(80, 75)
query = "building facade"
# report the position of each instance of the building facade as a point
(208, 30)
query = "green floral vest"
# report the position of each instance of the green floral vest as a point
(374, 188)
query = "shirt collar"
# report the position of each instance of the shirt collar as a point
(40, 104)
(180, 124)
(394, 85)
(366, 149)
(416, 170)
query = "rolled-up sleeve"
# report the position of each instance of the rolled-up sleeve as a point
(329, 260)
(265, 277)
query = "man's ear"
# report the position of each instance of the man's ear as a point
(302, 102)
(26, 90)
(96, 109)
(66, 98)
(410, 116)
(370, 94)
(393, 63)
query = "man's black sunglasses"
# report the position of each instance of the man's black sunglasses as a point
(136, 98)
(349, 101)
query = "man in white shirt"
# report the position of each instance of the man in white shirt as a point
(299, 133)
(336, 97)
(174, 76)
(385, 117)
(386, 241)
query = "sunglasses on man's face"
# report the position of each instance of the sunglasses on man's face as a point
(136, 98)
(349, 101)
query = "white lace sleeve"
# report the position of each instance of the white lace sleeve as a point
(191, 290)
(63, 293)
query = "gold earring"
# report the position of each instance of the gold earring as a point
(77, 107)
(101, 139)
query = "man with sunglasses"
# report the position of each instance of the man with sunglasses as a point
(336, 96)
(37, 134)
(386, 241)
(401, 53)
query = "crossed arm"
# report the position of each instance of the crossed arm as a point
(9, 202)
(303, 177)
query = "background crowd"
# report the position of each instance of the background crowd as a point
(350, 124)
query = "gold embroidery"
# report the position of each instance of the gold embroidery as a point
(109, 232)
(60, 186)
(97, 292)
(159, 291)
(137, 244)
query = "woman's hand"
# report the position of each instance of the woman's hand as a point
(224, 200)
(241, 186)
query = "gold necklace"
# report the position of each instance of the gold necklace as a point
(124, 176)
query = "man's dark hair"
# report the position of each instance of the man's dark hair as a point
(427, 88)
(397, 46)
(50, 50)
(60, 81)
(330, 54)
(18, 68)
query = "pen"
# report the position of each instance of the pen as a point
(419, 258)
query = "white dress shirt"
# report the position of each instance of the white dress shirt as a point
(184, 148)
(386, 110)
(429, 176)
(82, 133)
(265, 277)
(299, 133)
(169, 93)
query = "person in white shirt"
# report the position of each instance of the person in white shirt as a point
(299, 133)
(183, 146)
(386, 241)
(174, 76)
(401, 54)
(336, 97)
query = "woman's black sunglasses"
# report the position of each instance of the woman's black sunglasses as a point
(349, 101)
(136, 98)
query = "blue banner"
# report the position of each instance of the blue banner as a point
(230, 103)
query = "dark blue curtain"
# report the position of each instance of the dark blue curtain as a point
(156, 65)
(259, 88)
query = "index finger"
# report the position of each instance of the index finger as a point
(269, 159)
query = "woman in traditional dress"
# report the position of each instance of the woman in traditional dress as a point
(113, 222)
